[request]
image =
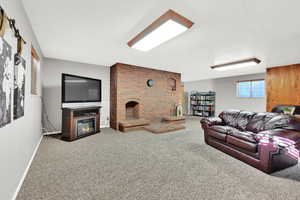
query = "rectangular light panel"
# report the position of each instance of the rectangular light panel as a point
(163, 29)
(163, 33)
(236, 64)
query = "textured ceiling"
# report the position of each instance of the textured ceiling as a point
(96, 32)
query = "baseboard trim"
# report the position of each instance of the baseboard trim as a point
(52, 133)
(27, 169)
(59, 132)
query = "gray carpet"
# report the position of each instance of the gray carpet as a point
(144, 166)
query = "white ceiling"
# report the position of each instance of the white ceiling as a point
(96, 32)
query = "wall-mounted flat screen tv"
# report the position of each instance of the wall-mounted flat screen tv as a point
(76, 89)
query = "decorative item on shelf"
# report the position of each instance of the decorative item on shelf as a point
(150, 83)
(179, 110)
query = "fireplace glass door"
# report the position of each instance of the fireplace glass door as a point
(86, 126)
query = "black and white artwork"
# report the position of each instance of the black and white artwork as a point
(6, 82)
(19, 89)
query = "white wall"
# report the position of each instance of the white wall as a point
(202, 85)
(51, 81)
(226, 97)
(19, 138)
(225, 89)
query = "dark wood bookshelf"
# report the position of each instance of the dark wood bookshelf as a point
(203, 104)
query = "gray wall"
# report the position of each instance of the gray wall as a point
(51, 81)
(19, 138)
(225, 89)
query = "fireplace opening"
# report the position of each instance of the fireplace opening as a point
(86, 126)
(132, 110)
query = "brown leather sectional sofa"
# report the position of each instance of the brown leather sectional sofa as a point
(267, 141)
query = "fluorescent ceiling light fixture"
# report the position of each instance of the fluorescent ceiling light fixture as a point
(236, 64)
(163, 33)
(166, 27)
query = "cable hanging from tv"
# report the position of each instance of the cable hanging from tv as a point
(47, 126)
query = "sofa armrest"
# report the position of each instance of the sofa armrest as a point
(211, 121)
(277, 137)
(276, 149)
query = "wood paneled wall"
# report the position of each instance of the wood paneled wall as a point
(283, 86)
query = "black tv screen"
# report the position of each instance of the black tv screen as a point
(80, 89)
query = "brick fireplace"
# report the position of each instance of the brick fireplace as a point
(132, 98)
(132, 110)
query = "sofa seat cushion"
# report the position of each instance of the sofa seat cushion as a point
(216, 134)
(223, 129)
(244, 135)
(241, 143)
(220, 132)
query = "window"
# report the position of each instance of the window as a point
(251, 89)
(35, 67)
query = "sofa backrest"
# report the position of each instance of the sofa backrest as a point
(243, 119)
(254, 122)
(268, 121)
(229, 117)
